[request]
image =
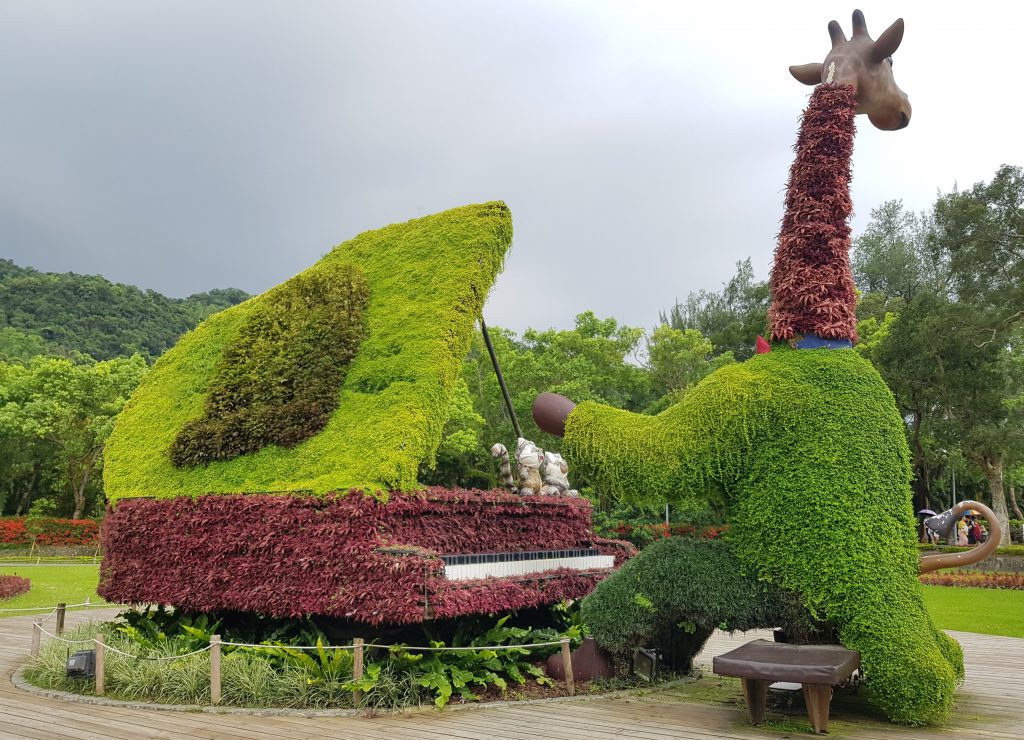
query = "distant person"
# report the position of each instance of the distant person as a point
(972, 530)
(977, 532)
(961, 532)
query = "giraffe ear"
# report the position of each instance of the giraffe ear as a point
(809, 74)
(888, 42)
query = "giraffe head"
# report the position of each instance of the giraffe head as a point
(866, 64)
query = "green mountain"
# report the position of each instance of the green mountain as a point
(67, 313)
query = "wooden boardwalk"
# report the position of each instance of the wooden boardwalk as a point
(990, 705)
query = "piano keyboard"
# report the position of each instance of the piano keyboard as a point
(504, 564)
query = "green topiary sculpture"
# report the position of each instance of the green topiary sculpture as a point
(804, 448)
(339, 378)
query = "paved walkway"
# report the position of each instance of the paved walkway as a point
(990, 705)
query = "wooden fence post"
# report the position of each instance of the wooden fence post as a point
(36, 636)
(357, 667)
(61, 610)
(100, 688)
(215, 669)
(570, 684)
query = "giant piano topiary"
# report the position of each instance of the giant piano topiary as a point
(269, 460)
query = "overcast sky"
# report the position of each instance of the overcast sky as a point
(643, 147)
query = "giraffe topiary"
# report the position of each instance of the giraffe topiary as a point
(802, 445)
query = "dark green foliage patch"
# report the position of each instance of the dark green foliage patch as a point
(280, 380)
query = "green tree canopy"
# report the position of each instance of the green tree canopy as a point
(55, 415)
(731, 318)
(89, 314)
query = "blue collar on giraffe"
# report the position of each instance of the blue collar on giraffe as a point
(813, 341)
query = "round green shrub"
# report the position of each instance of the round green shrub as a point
(806, 450)
(676, 592)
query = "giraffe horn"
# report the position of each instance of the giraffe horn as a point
(836, 32)
(860, 26)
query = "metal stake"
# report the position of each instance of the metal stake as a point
(501, 378)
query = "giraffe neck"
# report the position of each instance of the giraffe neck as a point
(813, 297)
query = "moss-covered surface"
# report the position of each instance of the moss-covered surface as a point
(807, 450)
(427, 281)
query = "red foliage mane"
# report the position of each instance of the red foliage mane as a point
(811, 283)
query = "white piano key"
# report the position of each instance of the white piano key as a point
(524, 567)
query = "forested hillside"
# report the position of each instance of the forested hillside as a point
(63, 314)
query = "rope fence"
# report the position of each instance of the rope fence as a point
(214, 648)
(55, 609)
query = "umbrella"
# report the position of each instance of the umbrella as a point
(926, 512)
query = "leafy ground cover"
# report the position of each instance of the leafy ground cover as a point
(278, 671)
(987, 611)
(71, 584)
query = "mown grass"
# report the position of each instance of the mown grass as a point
(988, 611)
(983, 610)
(70, 584)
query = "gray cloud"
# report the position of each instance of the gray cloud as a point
(642, 147)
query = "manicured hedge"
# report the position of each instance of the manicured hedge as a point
(20, 532)
(1016, 550)
(677, 591)
(806, 451)
(427, 282)
(296, 555)
(13, 585)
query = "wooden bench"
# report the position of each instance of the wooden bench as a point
(817, 667)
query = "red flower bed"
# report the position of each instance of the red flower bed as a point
(48, 531)
(12, 586)
(345, 556)
(12, 531)
(974, 579)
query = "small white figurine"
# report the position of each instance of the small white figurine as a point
(554, 472)
(538, 472)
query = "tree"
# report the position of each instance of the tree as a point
(588, 362)
(893, 257)
(982, 230)
(88, 314)
(678, 359)
(731, 318)
(942, 295)
(60, 413)
(19, 346)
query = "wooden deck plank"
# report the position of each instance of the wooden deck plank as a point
(993, 691)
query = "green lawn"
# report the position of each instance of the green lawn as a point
(71, 584)
(990, 611)
(986, 610)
